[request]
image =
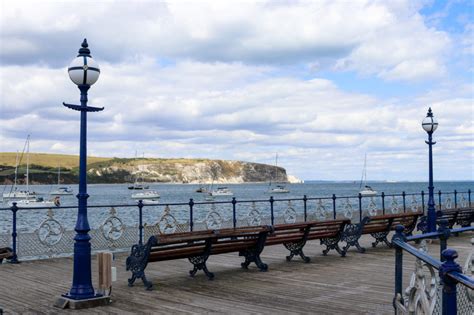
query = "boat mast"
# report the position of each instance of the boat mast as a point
(363, 180)
(16, 168)
(27, 163)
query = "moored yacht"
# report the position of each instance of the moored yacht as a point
(36, 203)
(149, 194)
(279, 189)
(221, 191)
(367, 191)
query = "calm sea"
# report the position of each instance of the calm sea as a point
(103, 194)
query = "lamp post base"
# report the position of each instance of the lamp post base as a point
(65, 302)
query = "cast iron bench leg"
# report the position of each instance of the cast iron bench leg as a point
(253, 254)
(199, 263)
(137, 262)
(296, 248)
(332, 243)
(379, 238)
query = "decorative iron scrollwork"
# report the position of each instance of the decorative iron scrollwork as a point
(423, 295)
(213, 219)
(254, 217)
(113, 227)
(465, 298)
(414, 204)
(290, 214)
(50, 231)
(448, 204)
(372, 209)
(321, 213)
(394, 208)
(463, 202)
(167, 223)
(348, 212)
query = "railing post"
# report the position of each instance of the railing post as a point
(439, 200)
(334, 206)
(140, 222)
(272, 217)
(383, 203)
(423, 201)
(305, 199)
(14, 259)
(404, 202)
(398, 263)
(360, 207)
(449, 284)
(469, 197)
(443, 238)
(191, 222)
(234, 215)
(455, 199)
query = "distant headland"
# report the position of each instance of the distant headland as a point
(43, 169)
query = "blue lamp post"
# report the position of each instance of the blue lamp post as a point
(84, 72)
(430, 124)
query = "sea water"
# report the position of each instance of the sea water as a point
(119, 194)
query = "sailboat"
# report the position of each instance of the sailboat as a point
(138, 185)
(14, 192)
(32, 201)
(62, 190)
(364, 189)
(280, 188)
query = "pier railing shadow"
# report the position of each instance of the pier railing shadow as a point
(43, 232)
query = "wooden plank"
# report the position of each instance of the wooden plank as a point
(356, 284)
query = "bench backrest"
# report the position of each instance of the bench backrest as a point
(383, 223)
(191, 244)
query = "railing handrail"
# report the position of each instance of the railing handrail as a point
(437, 234)
(433, 262)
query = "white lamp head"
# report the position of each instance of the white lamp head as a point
(84, 70)
(430, 123)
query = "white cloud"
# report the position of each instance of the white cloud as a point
(372, 37)
(208, 80)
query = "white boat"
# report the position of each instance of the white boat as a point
(61, 191)
(364, 189)
(14, 192)
(149, 194)
(150, 201)
(368, 191)
(19, 194)
(36, 203)
(222, 191)
(279, 188)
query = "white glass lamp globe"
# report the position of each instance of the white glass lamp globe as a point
(84, 71)
(429, 124)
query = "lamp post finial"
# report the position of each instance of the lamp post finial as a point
(84, 50)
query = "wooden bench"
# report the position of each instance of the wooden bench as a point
(378, 227)
(462, 216)
(5, 253)
(197, 247)
(295, 235)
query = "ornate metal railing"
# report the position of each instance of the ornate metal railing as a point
(43, 232)
(448, 291)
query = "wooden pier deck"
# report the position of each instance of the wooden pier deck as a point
(356, 284)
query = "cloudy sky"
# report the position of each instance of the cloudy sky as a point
(320, 82)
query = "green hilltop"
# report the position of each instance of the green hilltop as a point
(44, 169)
